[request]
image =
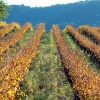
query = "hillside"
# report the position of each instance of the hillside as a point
(87, 12)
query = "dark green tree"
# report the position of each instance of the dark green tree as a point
(3, 10)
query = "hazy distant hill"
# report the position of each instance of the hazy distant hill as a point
(87, 12)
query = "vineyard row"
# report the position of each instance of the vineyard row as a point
(90, 32)
(10, 41)
(19, 65)
(83, 41)
(85, 81)
(8, 28)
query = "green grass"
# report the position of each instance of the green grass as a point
(46, 79)
(80, 52)
(26, 38)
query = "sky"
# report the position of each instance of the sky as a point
(39, 3)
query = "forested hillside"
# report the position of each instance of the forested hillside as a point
(87, 12)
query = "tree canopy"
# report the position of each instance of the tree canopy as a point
(3, 10)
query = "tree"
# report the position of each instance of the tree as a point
(3, 10)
